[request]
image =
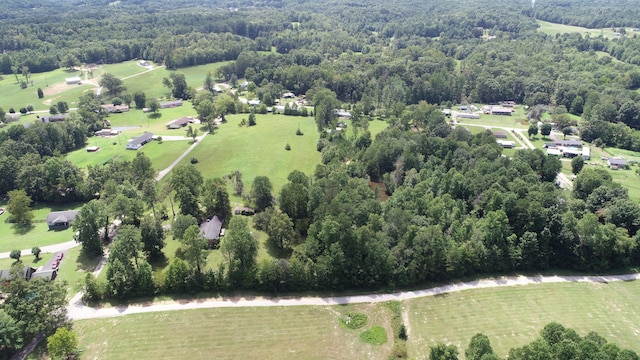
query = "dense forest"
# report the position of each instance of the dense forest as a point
(456, 206)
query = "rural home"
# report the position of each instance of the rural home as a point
(500, 111)
(446, 112)
(170, 104)
(143, 63)
(615, 164)
(466, 115)
(178, 123)
(11, 117)
(137, 143)
(53, 118)
(60, 220)
(586, 153)
(110, 108)
(554, 151)
(506, 144)
(73, 81)
(107, 132)
(212, 230)
(567, 143)
(288, 95)
(253, 102)
(25, 272)
(499, 134)
(343, 114)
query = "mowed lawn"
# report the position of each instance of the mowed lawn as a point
(154, 123)
(160, 154)
(513, 316)
(301, 332)
(550, 28)
(259, 150)
(14, 237)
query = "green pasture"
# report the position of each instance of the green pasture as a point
(550, 28)
(301, 332)
(259, 150)
(154, 123)
(20, 237)
(629, 179)
(11, 95)
(161, 154)
(513, 316)
(515, 121)
(120, 70)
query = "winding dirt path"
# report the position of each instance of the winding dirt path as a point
(78, 311)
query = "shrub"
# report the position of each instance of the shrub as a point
(377, 335)
(402, 333)
(36, 252)
(354, 320)
(287, 147)
(299, 132)
(15, 254)
(159, 139)
(194, 160)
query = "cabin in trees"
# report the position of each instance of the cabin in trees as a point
(140, 141)
(615, 164)
(60, 220)
(170, 104)
(179, 123)
(212, 230)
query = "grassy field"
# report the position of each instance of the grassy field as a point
(259, 150)
(514, 316)
(74, 267)
(154, 123)
(26, 260)
(11, 95)
(244, 333)
(518, 120)
(550, 28)
(161, 154)
(19, 238)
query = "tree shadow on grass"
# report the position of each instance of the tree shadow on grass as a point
(21, 229)
(154, 115)
(277, 252)
(159, 263)
(86, 263)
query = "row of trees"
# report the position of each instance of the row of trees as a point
(555, 342)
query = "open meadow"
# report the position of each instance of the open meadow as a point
(550, 28)
(304, 332)
(513, 316)
(259, 150)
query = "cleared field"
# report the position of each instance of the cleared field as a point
(550, 28)
(11, 95)
(513, 316)
(259, 150)
(161, 154)
(15, 237)
(244, 333)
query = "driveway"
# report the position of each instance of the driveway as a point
(46, 249)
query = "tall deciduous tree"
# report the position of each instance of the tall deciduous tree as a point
(113, 84)
(216, 199)
(88, 224)
(187, 182)
(63, 344)
(261, 192)
(194, 248)
(18, 207)
(239, 249)
(478, 347)
(325, 103)
(140, 99)
(152, 237)
(10, 334)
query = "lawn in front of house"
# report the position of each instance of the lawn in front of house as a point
(18, 237)
(259, 150)
(299, 332)
(153, 123)
(160, 154)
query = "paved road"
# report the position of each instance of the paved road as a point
(46, 249)
(78, 311)
(164, 172)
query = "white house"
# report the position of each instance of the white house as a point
(73, 80)
(137, 143)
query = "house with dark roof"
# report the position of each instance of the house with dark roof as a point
(212, 230)
(178, 123)
(111, 109)
(24, 272)
(170, 104)
(499, 134)
(496, 110)
(9, 117)
(567, 143)
(137, 143)
(53, 118)
(615, 164)
(60, 220)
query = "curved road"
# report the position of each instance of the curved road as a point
(78, 311)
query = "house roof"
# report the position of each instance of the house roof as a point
(573, 143)
(617, 162)
(141, 139)
(61, 216)
(210, 229)
(181, 121)
(53, 118)
(171, 103)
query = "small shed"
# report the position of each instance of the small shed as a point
(73, 80)
(60, 220)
